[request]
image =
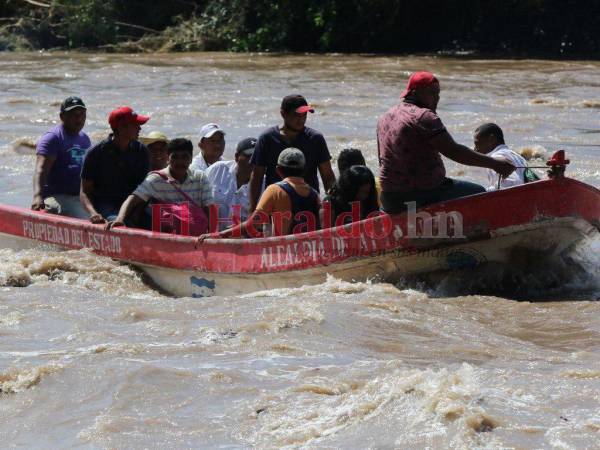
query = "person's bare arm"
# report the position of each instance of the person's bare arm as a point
(128, 206)
(256, 181)
(327, 175)
(247, 228)
(87, 188)
(448, 147)
(43, 164)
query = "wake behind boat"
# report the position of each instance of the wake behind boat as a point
(542, 220)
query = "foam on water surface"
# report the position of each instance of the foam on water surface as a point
(92, 356)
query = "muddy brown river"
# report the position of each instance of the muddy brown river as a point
(92, 357)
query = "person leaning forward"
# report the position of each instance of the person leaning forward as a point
(293, 133)
(114, 167)
(60, 154)
(488, 139)
(175, 184)
(411, 139)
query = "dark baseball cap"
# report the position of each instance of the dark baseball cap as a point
(70, 103)
(296, 103)
(246, 146)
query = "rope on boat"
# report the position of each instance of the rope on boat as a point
(520, 167)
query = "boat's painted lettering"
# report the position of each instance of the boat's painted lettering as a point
(60, 235)
(318, 250)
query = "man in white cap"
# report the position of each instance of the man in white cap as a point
(212, 146)
(290, 206)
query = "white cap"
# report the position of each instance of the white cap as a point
(209, 129)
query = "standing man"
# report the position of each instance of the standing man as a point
(488, 139)
(229, 180)
(114, 167)
(60, 153)
(411, 139)
(293, 133)
(212, 146)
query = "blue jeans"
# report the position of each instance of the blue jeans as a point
(107, 210)
(394, 202)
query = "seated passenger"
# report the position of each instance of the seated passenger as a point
(60, 154)
(114, 167)
(176, 184)
(411, 140)
(489, 140)
(157, 147)
(290, 206)
(212, 146)
(229, 180)
(349, 157)
(353, 197)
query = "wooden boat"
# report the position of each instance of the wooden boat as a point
(544, 218)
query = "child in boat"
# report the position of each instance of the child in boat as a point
(489, 140)
(176, 184)
(353, 197)
(290, 206)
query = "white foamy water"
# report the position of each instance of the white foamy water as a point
(92, 357)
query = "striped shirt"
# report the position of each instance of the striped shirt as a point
(196, 185)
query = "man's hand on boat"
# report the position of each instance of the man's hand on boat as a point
(202, 237)
(97, 218)
(114, 223)
(38, 203)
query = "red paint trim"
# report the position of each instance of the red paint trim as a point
(481, 213)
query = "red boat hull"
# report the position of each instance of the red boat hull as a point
(384, 244)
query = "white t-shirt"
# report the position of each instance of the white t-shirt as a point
(503, 153)
(198, 163)
(222, 177)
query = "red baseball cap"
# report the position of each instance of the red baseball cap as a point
(419, 80)
(124, 115)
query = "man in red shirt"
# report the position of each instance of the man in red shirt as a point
(411, 139)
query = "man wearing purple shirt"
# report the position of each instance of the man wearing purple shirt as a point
(60, 154)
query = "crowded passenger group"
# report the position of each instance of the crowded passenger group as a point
(271, 186)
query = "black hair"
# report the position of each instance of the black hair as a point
(344, 191)
(350, 157)
(180, 144)
(291, 172)
(488, 129)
